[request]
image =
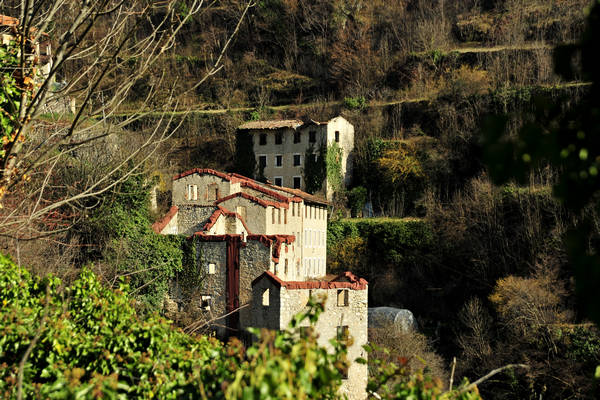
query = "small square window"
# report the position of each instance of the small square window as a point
(265, 298)
(278, 138)
(296, 137)
(212, 268)
(262, 161)
(278, 160)
(297, 182)
(206, 302)
(297, 160)
(343, 333)
(278, 181)
(337, 136)
(262, 139)
(312, 136)
(342, 297)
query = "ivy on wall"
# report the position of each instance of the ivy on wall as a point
(334, 166)
(314, 169)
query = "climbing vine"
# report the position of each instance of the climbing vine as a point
(314, 169)
(334, 166)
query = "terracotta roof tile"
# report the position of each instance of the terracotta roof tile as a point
(355, 284)
(158, 226)
(275, 124)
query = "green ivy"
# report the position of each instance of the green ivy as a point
(315, 171)
(335, 179)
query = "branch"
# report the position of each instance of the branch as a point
(489, 375)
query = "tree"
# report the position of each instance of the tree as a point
(567, 138)
(57, 159)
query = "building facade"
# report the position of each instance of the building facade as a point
(275, 302)
(260, 253)
(280, 149)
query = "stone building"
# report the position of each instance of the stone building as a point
(275, 302)
(280, 148)
(251, 238)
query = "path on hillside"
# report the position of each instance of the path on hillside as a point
(289, 107)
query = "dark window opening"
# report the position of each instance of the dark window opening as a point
(262, 139)
(337, 136)
(278, 138)
(297, 182)
(342, 297)
(312, 136)
(296, 160)
(297, 137)
(278, 161)
(278, 181)
(262, 161)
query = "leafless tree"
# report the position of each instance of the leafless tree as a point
(71, 141)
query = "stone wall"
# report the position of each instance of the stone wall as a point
(265, 316)
(255, 258)
(205, 189)
(214, 285)
(355, 316)
(191, 219)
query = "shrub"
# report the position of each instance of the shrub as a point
(357, 197)
(355, 103)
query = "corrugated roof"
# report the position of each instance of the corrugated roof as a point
(276, 124)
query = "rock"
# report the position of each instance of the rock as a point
(401, 319)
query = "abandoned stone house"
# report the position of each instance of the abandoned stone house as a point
(281, 146)
(275, 302)
(243, 230)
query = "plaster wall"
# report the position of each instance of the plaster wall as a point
(208, 189)
(314, 240)
(256, 215)
(346, 143)
(287, 149)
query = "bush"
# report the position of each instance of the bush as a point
(355, 103)
(357, 197)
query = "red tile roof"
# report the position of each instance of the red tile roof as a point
(354, 283)
(275, 240)
(268, 189)
(264, 203)
(223, 211)
(158, 226)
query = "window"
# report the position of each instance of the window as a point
(262, 161)
(262, 139)
(192, 192)
(285, 268)
(279, 216)
(273, 217)
(211, 267)
(343, 333)
(213, 192)
(312, 136)
(285, 215)
(293, 209)
(297, 182)
(205, 302)
(279, 161)
(278, 181)
(265, 298)
(296, 137)
(297, 160)
(278, 138)
(337, 136)
(342, 297)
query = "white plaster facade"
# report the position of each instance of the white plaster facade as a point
(280, 148)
